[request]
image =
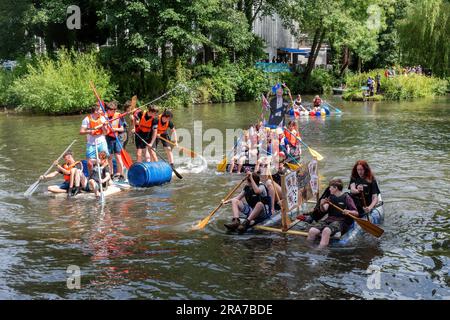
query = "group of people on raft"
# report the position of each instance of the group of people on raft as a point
(262, 196)
(101, 129)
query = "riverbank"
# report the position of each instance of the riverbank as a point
(398, 87)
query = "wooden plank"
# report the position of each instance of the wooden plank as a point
(293, 232)
(88, 195)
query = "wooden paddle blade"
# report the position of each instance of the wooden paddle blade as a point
(315, 154)
(127, 161)
(293, 167)
(222, 165)
(370, 227)
(133, 102)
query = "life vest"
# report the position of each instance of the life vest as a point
(339, 202)
(252, 198)
(115, 124)
(69, 167)
(145, 125)
(95, 123)
(291, 138)
(162, 128)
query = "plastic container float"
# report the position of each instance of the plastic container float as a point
(149, 174)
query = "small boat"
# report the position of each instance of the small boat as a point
(339, 91)
(349, 238)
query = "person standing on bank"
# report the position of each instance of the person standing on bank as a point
(278, 109)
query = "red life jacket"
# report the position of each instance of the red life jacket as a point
(67, 167)
(291, 137)
(95, 123)
(162, 127)
(145, 125)
(115, 124)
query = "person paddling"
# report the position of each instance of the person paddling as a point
(113, 147)
(72, 171)
(336, 221)
(145, 124)
(95, 127)
(256, 206)
(164, 123)
(317, 102)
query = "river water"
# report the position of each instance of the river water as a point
(140, 245)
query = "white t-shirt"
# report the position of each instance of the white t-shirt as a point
(93, 140)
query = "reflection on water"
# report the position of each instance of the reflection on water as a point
(140, 246)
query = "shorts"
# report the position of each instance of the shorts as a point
(90, 150)
(64, 186)
(113, 146)
(335, 226)
(164, 143)
(138, 141)
(266, 214)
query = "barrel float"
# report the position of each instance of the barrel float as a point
(149, 174)
(318, 113)
(312, 113)
(327, 111)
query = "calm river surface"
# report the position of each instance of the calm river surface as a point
(140, 245)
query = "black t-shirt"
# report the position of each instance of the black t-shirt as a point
(155, 124)
(277, 113)
(94, 173)
(370, 188)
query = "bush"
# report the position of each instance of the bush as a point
(401, 86)
(61, 86)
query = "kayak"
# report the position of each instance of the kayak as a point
(349, 238)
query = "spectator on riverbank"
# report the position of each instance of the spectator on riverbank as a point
(378, 81)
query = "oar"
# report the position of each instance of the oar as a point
(31, 189)
(337, 110)
(127, 161)
(205, 221)
(191, 153)
(313, 152)
(364, 224)
(154, 149)
(102, 195)
(222, 165)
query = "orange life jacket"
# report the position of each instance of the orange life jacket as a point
(291, 137)
(95, 123)
(67, 167)
(115, 124)
(145, 125)
(162, 127)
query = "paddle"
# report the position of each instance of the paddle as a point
(102, 195)
(313, 152)
(364, 224)
(222, 165)
(337, 110)
(154, 149)
(134, 108)
(31, 189)
(205, 221)
(127, 161)
(191, 153)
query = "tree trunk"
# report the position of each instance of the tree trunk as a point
(315, 49)
(165, 75)
(345, 61)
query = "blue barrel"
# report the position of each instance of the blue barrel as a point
(327, 111)
(318, 114)
(149, 174)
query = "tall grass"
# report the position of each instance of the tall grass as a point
(61, 85)
(401, 87)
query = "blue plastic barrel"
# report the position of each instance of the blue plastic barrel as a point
(318, 114)
(149, 174)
